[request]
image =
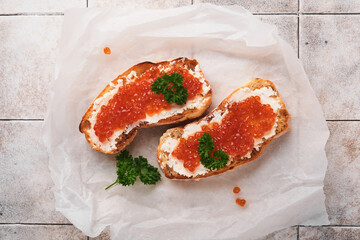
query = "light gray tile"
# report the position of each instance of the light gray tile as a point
(36, 232)
(329, 50)
(139, 3)
(260, 6)
(333, 6)
(38, 6)
(105, 235)
(287, 27)
(342, 181)
(287, 233)
(28, 50)
(329, 233)
(25, 181)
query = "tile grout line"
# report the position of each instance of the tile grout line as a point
(298, 30)
(264, 14)
(331, 14)
(31, 14)
(39, 224)
(298, 35)
(297, 232)
(329, 226)
(21, 119)
(273, 13)
(343, 120)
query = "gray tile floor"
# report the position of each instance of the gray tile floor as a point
(325, 33)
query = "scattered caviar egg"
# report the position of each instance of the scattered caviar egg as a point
(245, 120)
(136, 100)
(236, 190)
(240, 201)
(107, 50)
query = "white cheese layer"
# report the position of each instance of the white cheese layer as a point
(110, 143)
(267, 96)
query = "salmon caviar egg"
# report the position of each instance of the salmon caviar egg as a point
(240, 201)
(107, 50)
(236, 190)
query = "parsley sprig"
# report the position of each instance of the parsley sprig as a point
(129, 168)
(209, 158)
(172, 88)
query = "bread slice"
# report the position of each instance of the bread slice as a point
(121, 138)
(173, 168)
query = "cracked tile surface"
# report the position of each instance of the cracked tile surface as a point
(329, 233)
(342, 180)
(287, 27)
(25, 181)
(259, 6)
(38, 6)
(329, 51)
(36, 232)
(330, 6)
(27, 64)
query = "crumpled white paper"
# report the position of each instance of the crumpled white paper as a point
(284, 187)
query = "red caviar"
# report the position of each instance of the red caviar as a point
(236, 190)
(107, 50)
(135, 100)
(235, 134)
(240, 201)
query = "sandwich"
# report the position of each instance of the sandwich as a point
(146, 95)
(234, 133)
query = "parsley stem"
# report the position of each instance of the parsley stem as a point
(112, 185)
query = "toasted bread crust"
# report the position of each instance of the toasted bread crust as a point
(283, 125)
(125, 139)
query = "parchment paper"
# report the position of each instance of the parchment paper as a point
(283, 187)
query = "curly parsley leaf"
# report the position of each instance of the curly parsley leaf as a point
(128, 169)
(149, 175)
(171, 87)
(221, 157)
(206, 146)
(209, 158)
